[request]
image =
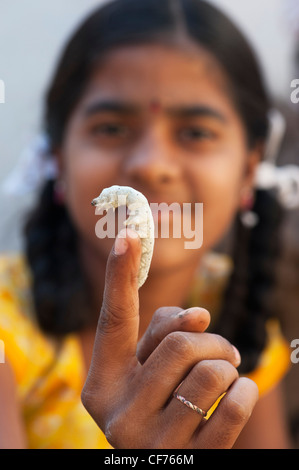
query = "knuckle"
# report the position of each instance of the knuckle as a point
(113, 316)
(109, 318)
(224, 345)
(156, 321)
(117, 423)
(121, 433)
(85, 398)
(180, 343)
(236, 413)
(210, 376)
(112, 434)
(165, 313)
(160, 313)
(160, 317)
(163, 322)
(88, 399)
(93, 399)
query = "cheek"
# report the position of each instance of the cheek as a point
(219, 185)
(86, 174)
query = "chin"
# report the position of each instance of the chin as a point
(171, 254)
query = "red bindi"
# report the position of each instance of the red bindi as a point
(155, 106)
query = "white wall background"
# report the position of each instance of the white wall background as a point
(31, 35)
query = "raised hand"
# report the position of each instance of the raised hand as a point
(130, 386)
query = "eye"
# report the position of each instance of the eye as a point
(110, 130)
(194, 133)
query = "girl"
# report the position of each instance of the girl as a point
(165, 97)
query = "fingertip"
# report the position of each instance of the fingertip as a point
(249, 384)
(237, 356)
(198, 316)
(205, 315)
(123, 240)
(121, 244)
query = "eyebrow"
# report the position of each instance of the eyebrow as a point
(197, 111)
(110, 106)
(119, 107)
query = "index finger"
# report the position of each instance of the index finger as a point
(117, 331)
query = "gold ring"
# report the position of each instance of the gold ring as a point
(190, 405)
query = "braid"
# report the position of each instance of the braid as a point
(59, 293)
(246, 305)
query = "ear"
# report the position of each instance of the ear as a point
(254, 157)
(59, 186)
(57, 153)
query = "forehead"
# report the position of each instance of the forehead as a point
(168, 74)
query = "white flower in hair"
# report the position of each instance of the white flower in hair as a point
(285, 179)
(35, 166)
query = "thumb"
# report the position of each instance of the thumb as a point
(117, 332)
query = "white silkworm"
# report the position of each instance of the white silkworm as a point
(140, 215)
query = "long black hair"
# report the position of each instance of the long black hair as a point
(59, 288)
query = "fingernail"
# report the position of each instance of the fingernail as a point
(121, 244)
(189, 311)
(184, 313)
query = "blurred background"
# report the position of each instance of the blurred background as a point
(31, 36)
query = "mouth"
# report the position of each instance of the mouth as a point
(167, 215)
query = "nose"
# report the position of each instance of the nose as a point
(153, 161)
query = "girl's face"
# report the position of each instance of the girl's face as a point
(159, 119)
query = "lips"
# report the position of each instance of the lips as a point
(165, 205)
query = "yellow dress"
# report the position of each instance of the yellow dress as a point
(50, 374)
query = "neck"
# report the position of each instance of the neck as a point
(164, 289)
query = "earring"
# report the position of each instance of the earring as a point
(248, 217)
(59, 192)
